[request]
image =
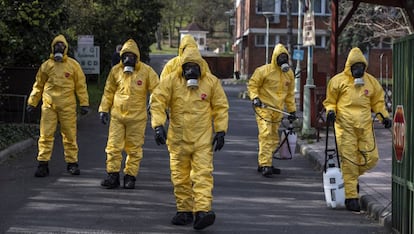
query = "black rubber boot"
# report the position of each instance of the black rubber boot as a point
(73, 168)
(111, 181)
(42, 169)
(129, 182)
(352, 204)
(182, 218)
(273, 170)
(204, 219)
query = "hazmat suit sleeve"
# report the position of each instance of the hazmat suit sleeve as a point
(109, 92)
(290, 96)
(159, 101)
(38, 86)
(255, 82)
(80, 85)
(153, 80)
(332, 94)
(220, 107)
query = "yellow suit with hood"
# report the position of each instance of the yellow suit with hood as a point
(353, 125)
(125, 97)
(186, 42)
(193, 114)
(275, 88)
(58, 84)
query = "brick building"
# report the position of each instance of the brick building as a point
(250, 38)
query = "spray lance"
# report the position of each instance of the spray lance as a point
(288, 139)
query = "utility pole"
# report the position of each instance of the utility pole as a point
(267, 15)
(309, 26)
(299, 42)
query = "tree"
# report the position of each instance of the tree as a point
(370, 25)
(26, 30)
(208, 14)
(28, 27)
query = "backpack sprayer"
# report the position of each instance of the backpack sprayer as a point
(332, 175)
(333, 182)
(289, 138)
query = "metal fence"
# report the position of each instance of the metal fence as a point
(12, 108)
(403, 161)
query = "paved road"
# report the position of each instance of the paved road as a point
(244, 201)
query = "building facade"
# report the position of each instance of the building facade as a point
(251, 31)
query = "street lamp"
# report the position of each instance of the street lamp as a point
(267, 14)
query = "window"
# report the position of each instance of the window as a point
(265, 6)
(274, 39)
(294, 9)
(320, 7)
(201, 41)
(260, 40)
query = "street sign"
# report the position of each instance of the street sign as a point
(298, 55)
(398, 133)
(85, 40)
(88, 57)
(308, 29)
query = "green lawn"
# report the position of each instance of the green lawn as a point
(165, 50)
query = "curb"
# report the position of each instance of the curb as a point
(368, 202)
(16, 148)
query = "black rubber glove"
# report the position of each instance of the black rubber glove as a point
(30, 108)
(331, 116)
(84, 110)
(387, 122)
(160, 136)
(256, 102)
(104, 117)
(219, 140)
(292, 116)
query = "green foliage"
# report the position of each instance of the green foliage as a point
(24, 26)
(13, 133)
(95, 94)
(28, 27)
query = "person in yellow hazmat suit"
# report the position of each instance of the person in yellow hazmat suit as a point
(272, 84)
(124, 103)
(59, 81)
(350, 97)
(198, 107)
(186, 42)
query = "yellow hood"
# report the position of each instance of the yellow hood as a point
(59, 38)
(187, 41)
(132, 47)
(354, 56)
(193, 55)
(279, 49)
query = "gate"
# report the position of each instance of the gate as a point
(403, 161)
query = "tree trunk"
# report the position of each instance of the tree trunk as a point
(158, 37)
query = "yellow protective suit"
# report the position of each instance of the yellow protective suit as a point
(275, 88)
(125, 97)
(58, 84)
(193, 114)
(353, 125)
(186, 42)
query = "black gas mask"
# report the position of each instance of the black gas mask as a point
(191, 72)
(357, 70)
(129, 59)
(283, 62)
(58, 51)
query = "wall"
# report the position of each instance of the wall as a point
(222, 67)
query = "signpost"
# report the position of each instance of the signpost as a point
(88, 55)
